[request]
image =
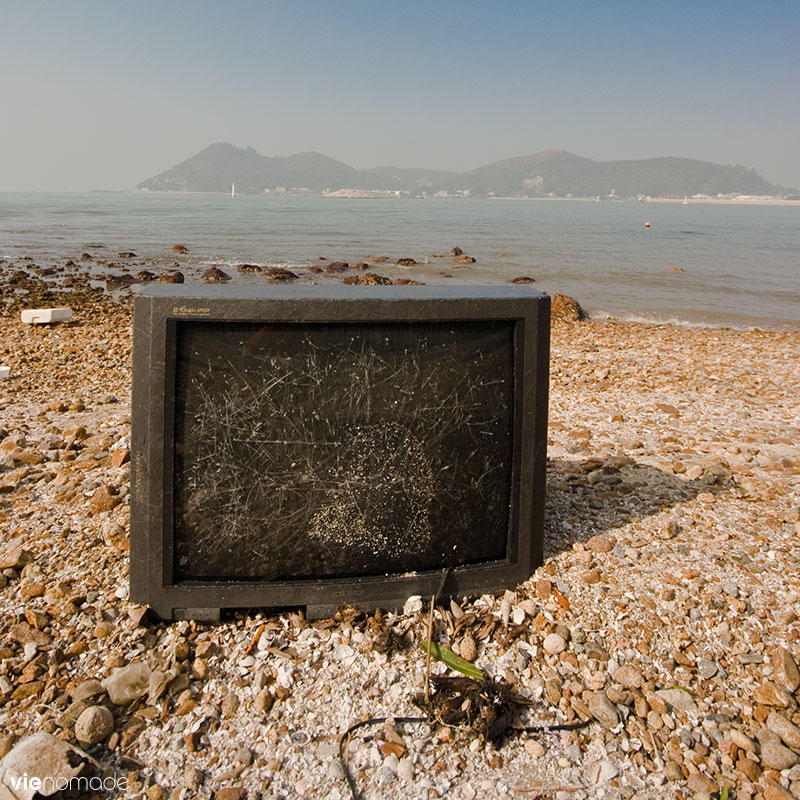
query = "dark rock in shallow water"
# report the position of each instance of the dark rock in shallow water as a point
(172, 277)
(249, 268)
(280, 274)
(127, 254)
(523, 279)
(120, 280)
(564, 307)
(463, 260)
(368, 279)
(215, 275)
(406, 262)
(180, 248)
(456, 251)
(146, 276)
(337, 266)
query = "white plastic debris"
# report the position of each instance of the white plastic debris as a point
(4, 372)
(38, 316)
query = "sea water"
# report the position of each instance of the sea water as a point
(734, 265)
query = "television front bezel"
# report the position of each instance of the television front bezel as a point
(157, 312)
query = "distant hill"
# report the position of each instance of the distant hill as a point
(549, 173)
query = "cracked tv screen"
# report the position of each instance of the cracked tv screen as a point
(341, 449)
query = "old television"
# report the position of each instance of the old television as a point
(309, 446)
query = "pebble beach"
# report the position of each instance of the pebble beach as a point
(666, 613)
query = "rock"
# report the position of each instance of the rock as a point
(468, 648)
(127, 684)
(40, 756)
(748, 768)
(678, 699)
(770, 694)
(742, 741)
(566, 308)
(590, 576)
(554, 644)
(127, 254)
(263, 701)
(706, 669)
(172, 277)
(774, 755)
(120, 456)
(25, 633)
(629, 677)
(406, 262)
(94, 725)
(523, 279)
(405, 769)
(230, 793)
(785, 672)
(105, 498)
(789, 733)
(464, 260)
(180, 248)
(603, 710)
(603, 543)
(215, 275)
(280, 274)
(456, 251)
(602, 772)
(15, 558)
(670, 529)
(701, 783)
(337, 267)
(775, 791)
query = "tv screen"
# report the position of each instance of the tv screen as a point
(326, 444)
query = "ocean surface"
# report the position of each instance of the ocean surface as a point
(740, 263)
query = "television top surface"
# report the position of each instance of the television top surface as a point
(336, 291)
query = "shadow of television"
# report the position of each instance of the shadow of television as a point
(591, 497)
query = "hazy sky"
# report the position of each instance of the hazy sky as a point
(104, 94)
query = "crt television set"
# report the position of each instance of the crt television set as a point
(308, 446)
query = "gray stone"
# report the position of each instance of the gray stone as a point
(707, 669)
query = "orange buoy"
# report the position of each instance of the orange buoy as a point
(647, 224)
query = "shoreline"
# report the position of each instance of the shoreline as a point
(670, 541)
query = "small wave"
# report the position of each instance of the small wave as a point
(654, 319)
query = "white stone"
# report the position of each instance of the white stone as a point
(413, 605)
(40, 316)
(127, 684)
(4, 372)
(554, 644)
(603, 771)
(39, 756)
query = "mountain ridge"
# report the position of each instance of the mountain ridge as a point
(549, 173)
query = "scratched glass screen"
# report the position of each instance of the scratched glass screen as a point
(322, 450)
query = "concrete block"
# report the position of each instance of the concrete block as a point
(38, 316)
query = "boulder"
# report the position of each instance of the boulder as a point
(215, 275)
(280, 274)
(38, 757)
(566, 308)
